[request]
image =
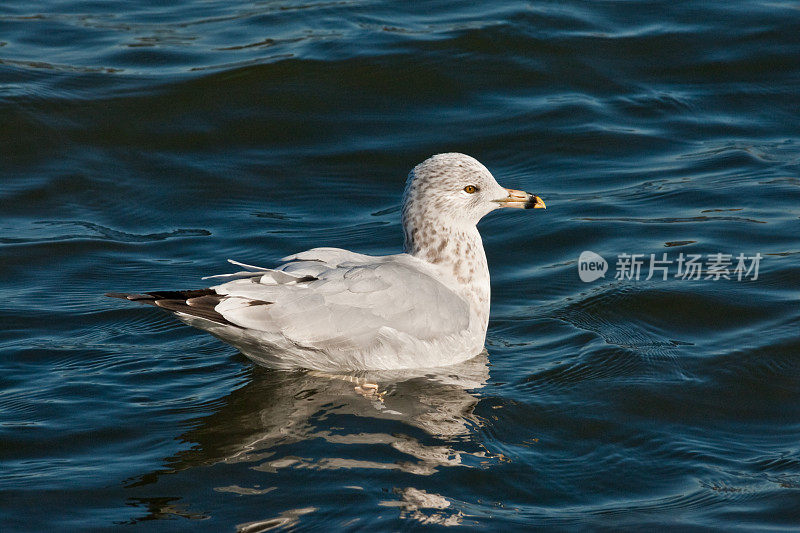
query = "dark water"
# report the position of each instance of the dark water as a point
(143, 143)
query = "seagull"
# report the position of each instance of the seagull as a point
(334, 310)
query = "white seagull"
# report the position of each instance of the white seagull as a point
(335, 310)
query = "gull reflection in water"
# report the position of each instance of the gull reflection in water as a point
(278, 408)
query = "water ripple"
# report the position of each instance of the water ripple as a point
(100, 232)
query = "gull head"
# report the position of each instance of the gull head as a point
(456, 190)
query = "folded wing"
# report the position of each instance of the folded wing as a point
(327, 297)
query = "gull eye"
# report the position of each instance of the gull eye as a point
(470, 189)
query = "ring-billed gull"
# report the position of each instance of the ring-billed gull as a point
(336, 310)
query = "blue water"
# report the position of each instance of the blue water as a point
(142, 144)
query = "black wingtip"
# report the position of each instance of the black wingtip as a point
(200, 303)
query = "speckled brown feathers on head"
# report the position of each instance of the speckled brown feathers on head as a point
(434, 199)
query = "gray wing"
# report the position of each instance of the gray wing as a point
(326, 297)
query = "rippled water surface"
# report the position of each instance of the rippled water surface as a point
(143, 143)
